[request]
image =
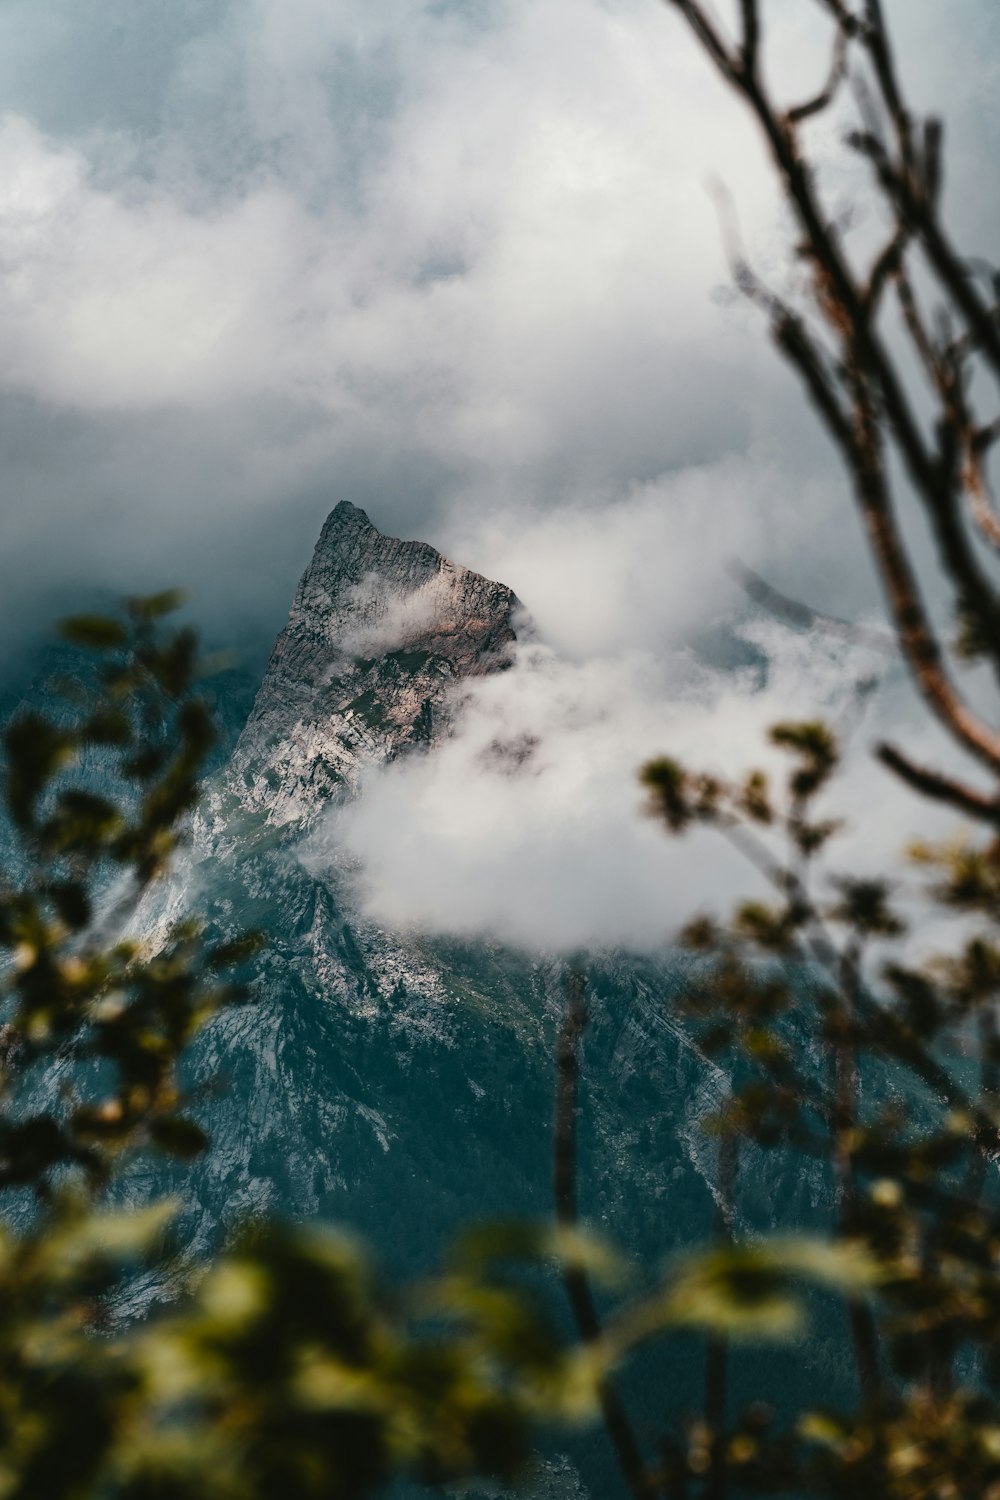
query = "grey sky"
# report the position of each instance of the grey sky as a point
(454, 262)
(459, 264)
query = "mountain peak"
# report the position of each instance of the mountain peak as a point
(378, 631)
(346, 514)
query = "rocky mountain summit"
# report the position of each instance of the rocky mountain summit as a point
(394, 1083)
(379, 632)
(402, 1085)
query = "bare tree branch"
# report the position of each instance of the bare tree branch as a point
(886, 266)
(953, 272)
(876, 391)
(751, 34)
(578, 1291)
(876, 41)
(916, 326)
(830, 89)
(708, 34)
(940, 788)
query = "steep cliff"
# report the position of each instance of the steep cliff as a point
(379, 632)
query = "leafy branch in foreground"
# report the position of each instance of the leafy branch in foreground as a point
(86, 1002)
(906, 1131)
(285, 1369)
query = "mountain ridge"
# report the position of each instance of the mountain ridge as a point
(397, 1083)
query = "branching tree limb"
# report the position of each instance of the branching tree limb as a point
(898, 350)
(940, 788)
(861, 393)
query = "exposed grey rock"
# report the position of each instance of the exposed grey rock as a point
(379, 632)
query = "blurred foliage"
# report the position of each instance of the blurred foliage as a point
(283, 1368)
(82, 999)
(900, 1105)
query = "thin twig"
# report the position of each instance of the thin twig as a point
(864, 1337)
(717, 1351)
(939, 787)
(828, 93)
(575, 1279)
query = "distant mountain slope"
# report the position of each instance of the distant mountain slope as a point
(375, 1068)
(397, 1084)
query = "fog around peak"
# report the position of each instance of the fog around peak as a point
(461, 265)
(457, 263)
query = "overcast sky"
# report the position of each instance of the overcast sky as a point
(455, 261)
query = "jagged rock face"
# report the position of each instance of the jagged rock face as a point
(379, 633)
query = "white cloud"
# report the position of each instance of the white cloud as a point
(385, 620)
(527, 824)
(456, 263)
(535, 198)
(114, 301)
(491, 240)
(426, 263)
(640, 569)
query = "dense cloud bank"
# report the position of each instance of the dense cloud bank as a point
(458, 263)
(451, 261)
(528, 824)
